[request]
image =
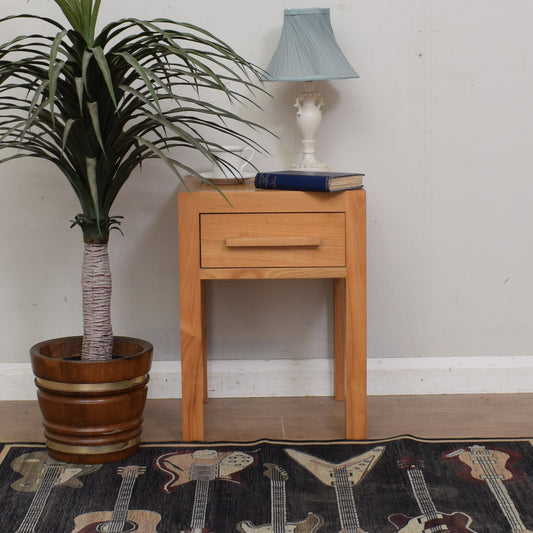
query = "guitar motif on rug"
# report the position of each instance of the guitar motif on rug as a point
(202, 467)
(121, 519)
(495, 467)
(278, 497)
(343, 477)
(40, 474)
(430, 519)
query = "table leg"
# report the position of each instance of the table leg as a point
(204, 337)
(356, 375)
(191, 323)
(192, 364)
(339, 318)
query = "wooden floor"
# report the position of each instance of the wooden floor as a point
(435, 416)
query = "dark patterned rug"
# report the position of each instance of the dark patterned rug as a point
(401, 484)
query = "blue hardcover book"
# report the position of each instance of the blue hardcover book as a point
(295, 180)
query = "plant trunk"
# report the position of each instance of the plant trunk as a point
(96, 300)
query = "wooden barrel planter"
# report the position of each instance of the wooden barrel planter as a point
(92, 411)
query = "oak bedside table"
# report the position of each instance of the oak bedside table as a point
(262, 234)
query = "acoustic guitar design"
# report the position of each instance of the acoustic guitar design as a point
(121, 519)
(278, 479)
(343, 477)
(40, 474)
(201, 467)
(430, 520)
(495, 467)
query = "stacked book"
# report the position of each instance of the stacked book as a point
(295, 180)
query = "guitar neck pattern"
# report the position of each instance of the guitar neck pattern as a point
(38, 503)
(507, 506)
(278, 505)
(203, 475)
(498, 489)
(421, 493)
(120, 512)
(345, 501)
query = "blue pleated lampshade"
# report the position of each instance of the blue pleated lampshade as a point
(307, 49)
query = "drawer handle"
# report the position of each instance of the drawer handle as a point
(261, 242)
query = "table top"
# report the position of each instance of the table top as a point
(194, 184)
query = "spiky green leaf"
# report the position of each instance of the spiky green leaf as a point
(98, 106)
(93, 186)
(106, 72)
(95, 122)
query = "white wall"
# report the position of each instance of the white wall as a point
(440, 122)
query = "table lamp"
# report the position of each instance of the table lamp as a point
(307, 51)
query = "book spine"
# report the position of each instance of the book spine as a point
(264, 180)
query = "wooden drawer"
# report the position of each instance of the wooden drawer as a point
(240, 240)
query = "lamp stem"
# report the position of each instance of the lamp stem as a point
(308, 118)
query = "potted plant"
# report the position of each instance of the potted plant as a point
(97, 105)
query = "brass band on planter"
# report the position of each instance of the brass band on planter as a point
(92, 450)
(91, 387)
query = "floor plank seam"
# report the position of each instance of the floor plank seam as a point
(283, 433)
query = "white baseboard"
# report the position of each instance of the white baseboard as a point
(314, 377)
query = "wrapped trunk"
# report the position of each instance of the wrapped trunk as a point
(96, 300)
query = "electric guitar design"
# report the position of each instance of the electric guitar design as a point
(121, 519)
(40, 474)
(430, 520)
(343, 477)
(494, 467)
(202, 467)
(278, 478)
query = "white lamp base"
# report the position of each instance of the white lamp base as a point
(308, 118)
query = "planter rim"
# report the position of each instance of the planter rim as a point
(59, 368)
(143, 345)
